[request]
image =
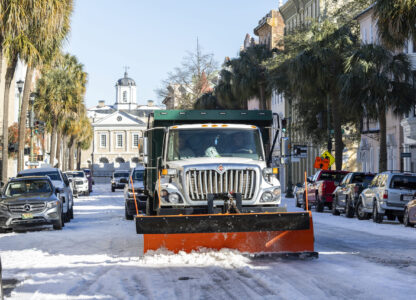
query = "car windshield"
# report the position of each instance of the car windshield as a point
(69, 175)
(214, 142)
(52, 175)
(78, 174)
(25, 187)
(403, 182)
(365, 179)
(87, 172)
(138, 175)
(118, 175)
(332, 176)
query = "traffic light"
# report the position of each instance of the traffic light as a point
(36, 127)
(284, 124)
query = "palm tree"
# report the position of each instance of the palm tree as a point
(13, 21)
(378, 80)
(396, 21)
(60, 97)
(313, 74)
(250, 74)
(49, 25)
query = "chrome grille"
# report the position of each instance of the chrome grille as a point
(20, 208)
(200, 183)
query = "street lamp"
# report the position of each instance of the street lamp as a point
(20, 83)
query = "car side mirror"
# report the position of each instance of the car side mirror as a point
(299, 185)
(58, 191)
(309, 180)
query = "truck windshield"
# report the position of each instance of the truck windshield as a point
(214, 142)
(138, 175)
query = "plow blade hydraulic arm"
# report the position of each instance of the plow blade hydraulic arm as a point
(281, 232)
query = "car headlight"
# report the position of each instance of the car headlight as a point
(3, 206)
(131, 194)
(52, 204)
(266, 197)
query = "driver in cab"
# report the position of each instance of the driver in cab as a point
(239, 143)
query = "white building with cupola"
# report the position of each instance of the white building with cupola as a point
(118, 130)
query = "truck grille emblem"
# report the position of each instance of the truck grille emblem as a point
(220, 169)
(27, 207)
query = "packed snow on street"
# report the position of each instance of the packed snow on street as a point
(98, 255)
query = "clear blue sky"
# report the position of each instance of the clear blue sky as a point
(151, 37)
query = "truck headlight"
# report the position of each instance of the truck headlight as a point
(266, 197)
(174, 198)
(52, 204)
(277, 193)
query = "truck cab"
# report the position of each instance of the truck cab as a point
(196, 164)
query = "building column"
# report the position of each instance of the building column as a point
(109, 141)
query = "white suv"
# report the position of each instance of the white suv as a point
(387, 195)
(80, 182)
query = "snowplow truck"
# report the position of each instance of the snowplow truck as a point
(209, 186)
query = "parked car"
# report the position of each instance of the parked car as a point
(90, 179)
(81, 182)
(70, 177)
(409, 215)
(130, 207)
(119, 179)
(387, 195)
(321, 188)
(347, 192)
(60, 182)
(31, 201)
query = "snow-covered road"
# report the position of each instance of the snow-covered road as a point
(98, 256)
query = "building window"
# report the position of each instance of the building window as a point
(103, 140)
(104, 160)
(119, 141)
(124, 96)
(135, 140)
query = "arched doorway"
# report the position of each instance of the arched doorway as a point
(120, 160)
(104, 160)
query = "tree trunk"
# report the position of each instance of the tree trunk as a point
(336, 124)
(7, 83)
(78, 157)
(53, 145)
(58, 148)
(382, 166)
(71, 154)
(262, 99)
(64, 153)
(22, 120)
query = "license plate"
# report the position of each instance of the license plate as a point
(407, 197)
(27, 216)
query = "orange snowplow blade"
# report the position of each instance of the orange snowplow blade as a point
(248, 233)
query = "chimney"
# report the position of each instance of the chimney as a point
(101, 103)
(149, 102)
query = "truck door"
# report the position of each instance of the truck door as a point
(155, 137)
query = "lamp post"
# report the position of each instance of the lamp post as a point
(20, 83)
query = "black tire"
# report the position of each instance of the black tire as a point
(58, 225)
(349, 210)
(400, 219)
(71, 213)
(334, 209)
(377, 217)
(319, 207)
(361, 214)
(406, 221)
(127, 215)
(391, 217)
